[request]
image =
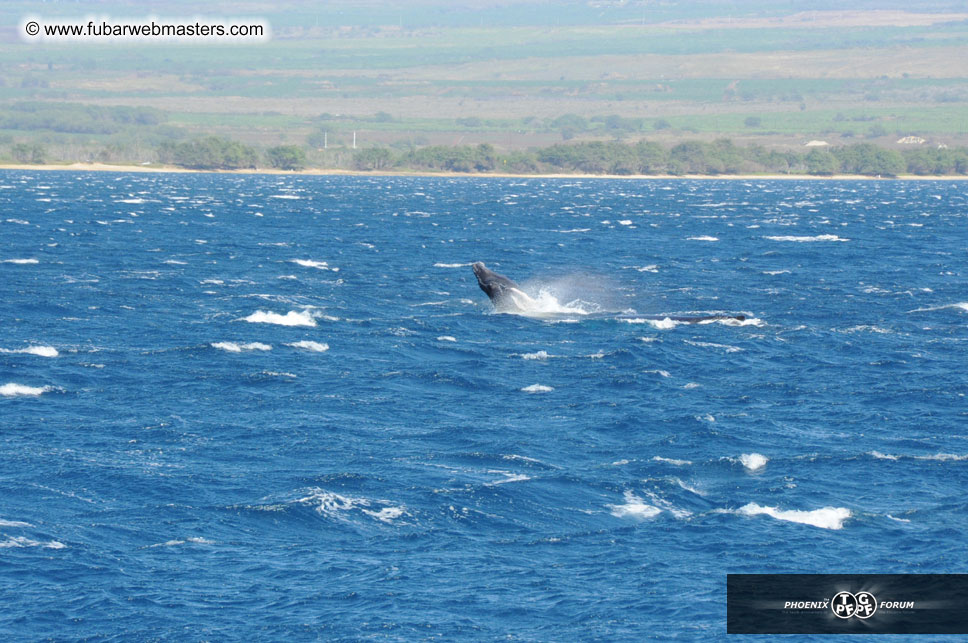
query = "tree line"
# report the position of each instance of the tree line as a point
(719, 157)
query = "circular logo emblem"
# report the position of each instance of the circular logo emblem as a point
(846, 605)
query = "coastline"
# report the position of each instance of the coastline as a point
(104, 167)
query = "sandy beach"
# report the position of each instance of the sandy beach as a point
(104, 167)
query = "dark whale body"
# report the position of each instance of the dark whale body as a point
(505, 294)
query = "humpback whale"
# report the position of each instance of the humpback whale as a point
(508, 296)
(503, 292)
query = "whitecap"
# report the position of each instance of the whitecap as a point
(20, 541)
(292, 318)
(446, 338)
(798, 239)
(334, 505)
(40, 351)
(537, 388)
(825, 518)
(233, 347)
(673, 461)
(20, 261)
(659, 324)
(315, 347)
(309, 263)
(12, 389)
(14, 523)
(540, 355)
(753, 461)
(702, 238)
(725, 347)
(634, 507)
(451, 265)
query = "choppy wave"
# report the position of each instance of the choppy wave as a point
(341, 507)
(308, 345)
(21, 541)
(807, 239)
(939, 457)
(319, 265)
(452, 265)
(12, 389)
(40, 351)
(292, 318)
(825, 518)
(539, 355)
(20, 261)
(634, 507)
(233, 347)
(537, 388)
(753, 461)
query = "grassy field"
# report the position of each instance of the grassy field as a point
(504, 73)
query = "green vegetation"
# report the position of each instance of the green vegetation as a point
(286, 157)
(209, 153)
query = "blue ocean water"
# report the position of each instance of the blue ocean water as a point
(279, 407)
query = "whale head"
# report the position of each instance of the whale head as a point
(496, 286)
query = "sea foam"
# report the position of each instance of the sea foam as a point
(537, 388)
(40, 351)
(12, 389)
(292, 318)
(315, 347)
(233, 347)
(634, 507)
(797, 239)
(825, 518)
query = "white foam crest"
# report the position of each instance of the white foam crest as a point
(319, 265)
(20, 541)
(937, 457)
(233, 347)
(657, 371)
(961, 306)
(673, 461)
(749, 321)
(753, 461)
(334, 505)
(508, 477)
(825, 518)
(702, 238)
(537, 388)
(292, 318)
(776, 272)
(451, 265)
(40, 351)
(540, 355)
(884, 456)
(12, 389)
(446, 338)
(308, 345)
(659, 324)
(634, 507)
(725, 347)
(799, 239)
(14, 523)
(20, 261)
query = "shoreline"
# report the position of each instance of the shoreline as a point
(168, 169)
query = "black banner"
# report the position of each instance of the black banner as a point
(847, 603)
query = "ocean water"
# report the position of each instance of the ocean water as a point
(280, 408)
